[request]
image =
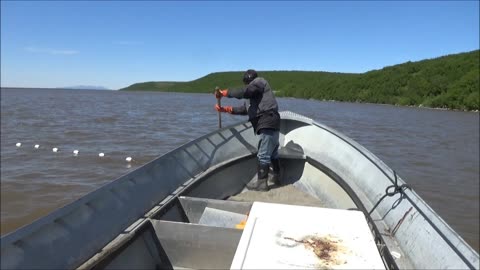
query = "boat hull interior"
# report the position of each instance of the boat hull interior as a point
(181, 210)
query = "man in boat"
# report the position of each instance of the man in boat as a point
(263, 114)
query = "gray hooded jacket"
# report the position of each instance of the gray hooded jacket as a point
(263, 109)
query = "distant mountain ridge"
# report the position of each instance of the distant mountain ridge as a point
(86, 87)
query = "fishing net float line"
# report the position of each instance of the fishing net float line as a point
(75, 152)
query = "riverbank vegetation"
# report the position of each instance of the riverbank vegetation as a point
(450, 82)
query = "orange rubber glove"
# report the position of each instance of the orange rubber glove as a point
(221, 93)
(227, 109)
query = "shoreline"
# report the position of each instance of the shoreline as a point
(388, 104)
(311, 99)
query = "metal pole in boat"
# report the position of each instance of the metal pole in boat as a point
(217, 89)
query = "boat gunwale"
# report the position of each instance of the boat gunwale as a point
(383, 168)
(29, 228)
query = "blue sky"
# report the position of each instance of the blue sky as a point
(118, 43)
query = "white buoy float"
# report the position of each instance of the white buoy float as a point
(55, 149)
(18, 144)
(36, 146)
(396, 255)
(75, 152)
(128, 159)
(101, 154)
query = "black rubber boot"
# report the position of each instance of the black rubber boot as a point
(276, 172)
(260, 184)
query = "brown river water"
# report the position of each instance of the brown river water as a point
(434, 151)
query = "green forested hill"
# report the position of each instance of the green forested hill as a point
(450, 81)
